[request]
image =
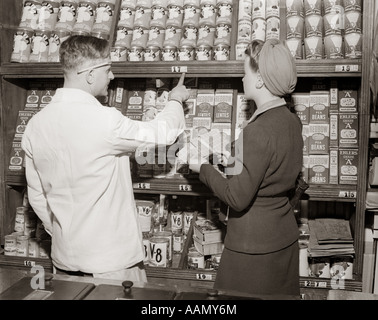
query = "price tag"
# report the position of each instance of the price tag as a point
(348, 194)
(315, 284)
(29, 263)
(185, 187)
(179, 69)
(203, 276)
(142, 185)
(346, 68)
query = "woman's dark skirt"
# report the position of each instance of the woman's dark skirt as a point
(275, 273)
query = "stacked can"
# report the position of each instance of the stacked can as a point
(258, 20)
(103, 19)
(206, 30)
(124, 31)
(223, 28)
(86, 13)
(30, 14)
(67, 15)
(188, 42)
(333, 21)
(273, 23)
(295, 27)
(244, 24)
(48, 15)
(353, 29)
(56, 39)
(22, 44)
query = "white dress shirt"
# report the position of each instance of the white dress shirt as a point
(79, 180)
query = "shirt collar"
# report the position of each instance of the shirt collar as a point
(267, 106)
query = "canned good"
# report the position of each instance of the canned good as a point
(244, 30)
(224, 13)
(140, 37)
(222, 34)
(144, 210)
(22, 45)
(118, 54)
(172, 36)
(294, 8)
(221, 52)
(295, 47)
(178, 242)
(126, 17)
(319, 267)
(342, 267)
(258, 29)
(295, 27)
(146, 246)
(189, 37)
(22, 244)
(56, 39)
(169, 53)
(352, 5)
(175, 15)
(259, 9)
(353, 45)
(207, 14)
(167, 235)
(40, 46)
(195, 260)
(129, 3)
(272, 28)
(215, 260)
(206, 35)
(152, 53)
(333, 23)
(185, 53)
(19, 225)
(314, 26)
(124, 37)
(353, 22)
(245, 10)
(66, 15)
(191, 15)
(86, 12)
(176, 221)
(312, 7)
(334, 6)
(33, 248)
(333, 47)
(240, 48)
(313, 47)
(142, 17)
(187, 216)
(159, 252)
(203, 53)
(156, 37)
(30, 14)
(272, 8)
(159, 16)
(48, 15)
(103, 17)
(10, 245)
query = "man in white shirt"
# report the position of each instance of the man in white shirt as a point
(78, 173)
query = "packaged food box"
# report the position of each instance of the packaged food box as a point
(348, 166)
(208, 248)
(319, 107)
(223, 105)
(318, 138)
(348, 101)
(301, 102)
(318, 169)
(348, 130)
(22, 120)
(207, 231)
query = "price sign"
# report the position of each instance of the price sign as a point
(142, 185)
(29, 263)
(346, 68)
(185, 187)
(348, 194)
(204, 276)
(315, 284)
(179, 69)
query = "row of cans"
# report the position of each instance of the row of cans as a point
(189, 35)
(166, 3)
(175, 15)
(171, 53)
(17, 244)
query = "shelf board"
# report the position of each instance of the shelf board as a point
(231, 68)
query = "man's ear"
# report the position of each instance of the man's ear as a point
(90, 76)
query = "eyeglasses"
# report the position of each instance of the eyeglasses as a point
(104, 64)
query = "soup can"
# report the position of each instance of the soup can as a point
(313, 47)
(10, 245)
(22, 244)
(272, 28)
(312, 7)
(206, 35)
(208, 14)
(118, 54)
(144, 210)
(245, 10)
(352, 5)
(142, 17)
(295, 47)
(223, 34)
(152, 53)
(258, 10)
(272, 8)
(169, 53)
(175, 15)
(33, 248)
(185, 53)
(295, 27)
(86, 12)
(353, 22)
(204, 53)
(342, 267)
(333, 23)
(178, 242)
(333, 6)
(30, 14)
(353, 45)
(259, 29)
(313, 26)
(189, 36)
(240, 48)
(167, 235)
(56, 39)
(195, 260)
(124, 37)
(22, 45)
(140, 37)
(244, 30)
(224, 13)
(104, 17)
(19, 223)
(159, 16)
(172, 36)
(333, 47)
(294, 8)
(319, 267)
(126, 17)
(48, 15)
(176, 221)
(191, 15)
(156, 36)
(221, 52)
(136, 53)
(159, 252)
(67, 15)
